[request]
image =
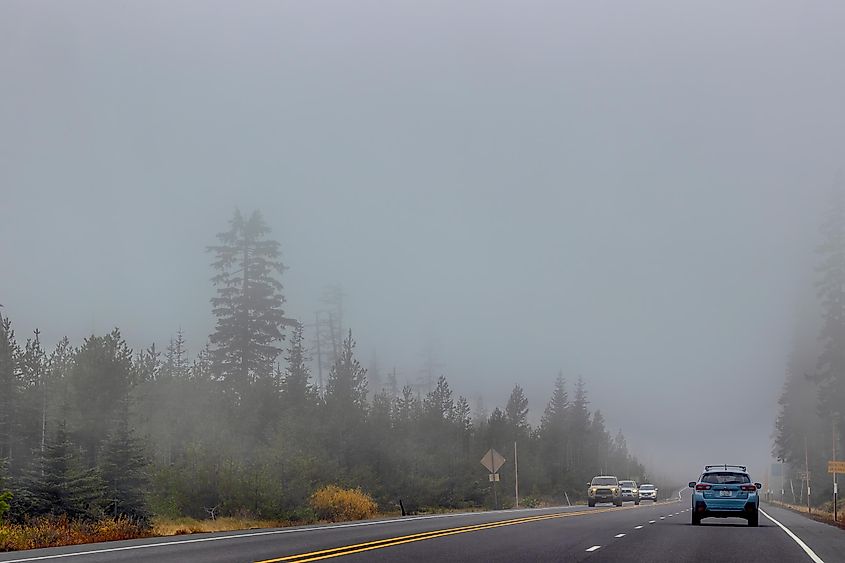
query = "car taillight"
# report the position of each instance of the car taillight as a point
(748, 488)
(703, 487)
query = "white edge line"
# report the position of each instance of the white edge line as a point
(804, 546)
(254, 534)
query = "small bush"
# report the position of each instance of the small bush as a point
(336, 505)
(530, 502)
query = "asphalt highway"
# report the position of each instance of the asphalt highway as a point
(645, 533)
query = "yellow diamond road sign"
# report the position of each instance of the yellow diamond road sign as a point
(836, 466)
(492, 460)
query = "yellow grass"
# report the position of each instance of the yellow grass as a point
(177, 526)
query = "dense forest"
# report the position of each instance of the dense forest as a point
(96, 430)
(811, 421)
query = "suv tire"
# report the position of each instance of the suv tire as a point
(696, 519)
(754, 519)
(591, 503)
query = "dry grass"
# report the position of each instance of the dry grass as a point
(820, 514)
(178, 526)
(53, 532)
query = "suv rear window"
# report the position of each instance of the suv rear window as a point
(725, 478)
(605, 481)
(647, 487)
(626, 483)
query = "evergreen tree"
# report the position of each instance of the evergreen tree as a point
(248, 305)
(346, 388)
(345, 404)
(296, 389)
(599, 445)
(516, 412)
(10, 389)
(123, 466)
(59, 365)
(31, 411)
(831, 292)
(578, 424)
(58, 484)
(438, 404)
(100, 380)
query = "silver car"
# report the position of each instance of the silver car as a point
(630, 491)
(648, 492)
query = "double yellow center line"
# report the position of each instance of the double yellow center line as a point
(399, 540)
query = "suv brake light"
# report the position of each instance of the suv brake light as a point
(703, 487)
(748, 488)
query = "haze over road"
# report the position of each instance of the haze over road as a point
(647, 533)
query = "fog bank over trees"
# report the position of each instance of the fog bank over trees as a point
(98, 430)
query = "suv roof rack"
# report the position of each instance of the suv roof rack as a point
(726, 465)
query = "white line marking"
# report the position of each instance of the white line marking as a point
(804, 546)
(619, 536)
(595, 547)
(250, 535)
(637, 527)
(651, 521)
(664, 518)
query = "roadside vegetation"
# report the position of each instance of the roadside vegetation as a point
(810, 427)
(99, 441)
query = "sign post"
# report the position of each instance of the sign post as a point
(835, 467)
(493, 461)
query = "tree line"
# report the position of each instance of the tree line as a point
(99, 430)
(811, 421)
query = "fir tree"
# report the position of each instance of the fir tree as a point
(248, 305)
(10, 388)
(346, 388)
(297, 392)
(438, 403)
(123, 466)
(99, 382)
(516, 412)
(831, 293)
(58, 484)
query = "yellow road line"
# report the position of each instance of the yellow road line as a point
(399, 540)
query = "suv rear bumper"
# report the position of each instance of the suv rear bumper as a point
(724, 509)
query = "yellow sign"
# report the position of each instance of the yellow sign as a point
(836, 466)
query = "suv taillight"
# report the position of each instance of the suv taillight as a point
(703, 487)
(748, 488)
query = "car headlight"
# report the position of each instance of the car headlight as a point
(592, 490)
(615, 491)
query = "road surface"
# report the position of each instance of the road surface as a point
(645, 533)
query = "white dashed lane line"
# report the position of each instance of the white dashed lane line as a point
(595, 547)
(637, 527)
(619, 536)
(652, 521)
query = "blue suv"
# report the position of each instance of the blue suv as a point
(725, 491)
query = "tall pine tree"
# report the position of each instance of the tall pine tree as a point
(248, 305)
(831, 292)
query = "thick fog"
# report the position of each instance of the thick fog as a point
(629, 192)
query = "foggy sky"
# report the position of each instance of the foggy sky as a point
(627, 191)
